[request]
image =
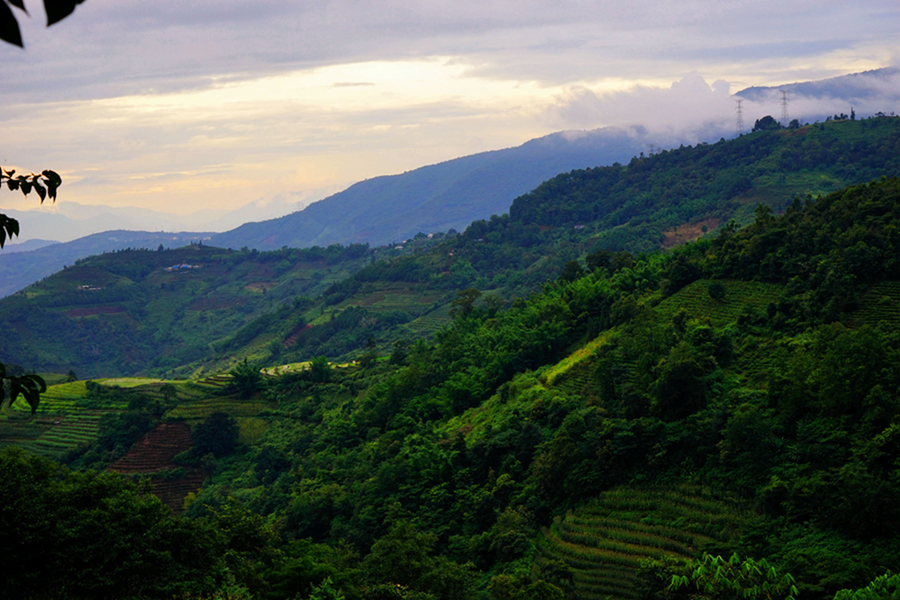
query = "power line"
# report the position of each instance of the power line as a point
(785, 117)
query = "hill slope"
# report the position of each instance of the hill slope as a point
(22, 268)
(391, 294)
(440, 197)
(137, 311)
(765, 409)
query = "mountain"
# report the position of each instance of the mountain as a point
(403, 293)
(867, 93)
(613, 435)
(66, 221)
(21, 268)
(142, 310)
(449, 195)
(377, 211)
(27, 246)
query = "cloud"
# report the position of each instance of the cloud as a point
(677, 113)
(865, 93)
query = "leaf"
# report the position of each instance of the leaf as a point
(52, 176)
(30, 387)
(12, 184)
(52, 180)
(41, 190)
(9, 27)
(57, 10)
(11, 226)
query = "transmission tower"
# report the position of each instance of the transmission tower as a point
(785, 117)
(740, 118)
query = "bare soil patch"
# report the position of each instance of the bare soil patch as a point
(688, 232)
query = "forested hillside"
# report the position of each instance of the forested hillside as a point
(139, 311)
(403, 292)
(652, 202)
(738, 394)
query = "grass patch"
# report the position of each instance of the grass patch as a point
(739, 295)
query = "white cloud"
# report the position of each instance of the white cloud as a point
(678, 113)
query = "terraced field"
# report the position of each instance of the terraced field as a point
(71, 398)
(604, 542)
(155, 453)
(430, 323)
(202, 408)
(695, 299)
(64, 420)
(880, 303)
(156, 450)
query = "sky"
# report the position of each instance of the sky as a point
(212, 104)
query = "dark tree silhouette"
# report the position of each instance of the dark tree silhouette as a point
(56, 10)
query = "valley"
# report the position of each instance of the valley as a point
(547, 404)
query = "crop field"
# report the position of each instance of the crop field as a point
(695, 299)
(70, 398)
(202, 408)
(562, 368)
(430, 323)
(154, 454)
(880, 304)
(50, 435)
(604, 542)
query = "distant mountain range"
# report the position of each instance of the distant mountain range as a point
(378, 211)
(448, 195)
(22, 268)
(866, 93)
(440, 197)
(67, 221)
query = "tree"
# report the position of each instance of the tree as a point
(320, 369)
(464, 303)
(56, 10)
(885, 586)
(767, 123)
(13, 384)
(246, 378)
(324, 591)
(713, 577)
(717, 291)
(218, 435)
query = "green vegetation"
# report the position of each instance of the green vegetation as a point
(290, 305)
(615, 433)
(157, 311)
(605, 542)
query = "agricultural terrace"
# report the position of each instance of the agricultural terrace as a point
(696, 299)
(604, 542)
